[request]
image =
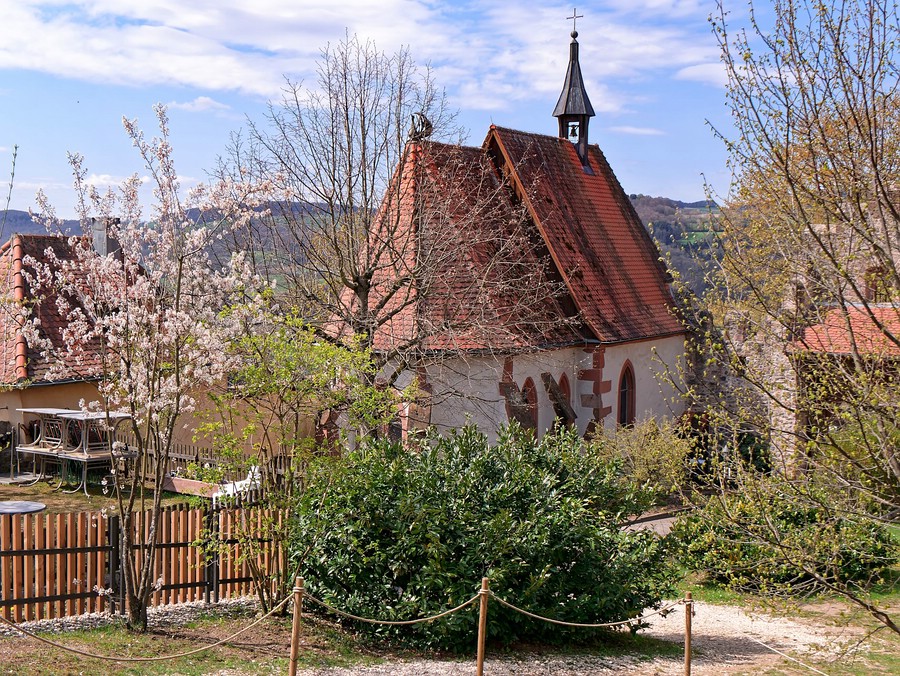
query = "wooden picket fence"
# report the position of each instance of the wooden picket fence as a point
(58, 565)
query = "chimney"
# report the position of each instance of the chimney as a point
(104, 243)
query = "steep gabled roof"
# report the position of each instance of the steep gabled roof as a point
(457, 216)
(853, 327)
(20, 362)
(602, 251)
(579, 236)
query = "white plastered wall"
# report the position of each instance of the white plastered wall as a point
(467, 390)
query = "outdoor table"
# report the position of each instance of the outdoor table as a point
(21, 507)
(67, 435)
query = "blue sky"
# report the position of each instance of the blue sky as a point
(69, 72)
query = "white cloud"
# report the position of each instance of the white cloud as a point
(489, 55)
(198, 105)
(106, 180)
(709, 73)
(672, 8)
(638, 131)
(4, 149)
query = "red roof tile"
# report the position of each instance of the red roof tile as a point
(18, 360)
(581, 238)
(874, 331)
(459, 222)
(596, 239)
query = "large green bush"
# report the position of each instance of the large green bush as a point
(393, 533)
(769, 537)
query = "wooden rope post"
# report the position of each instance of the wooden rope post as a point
(295, 630)
(482, 626)
(688, 612)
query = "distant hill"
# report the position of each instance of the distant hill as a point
(684, 232)
(15, 221)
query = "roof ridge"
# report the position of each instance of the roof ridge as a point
(531, 133)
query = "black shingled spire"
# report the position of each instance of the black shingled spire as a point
(574, 108)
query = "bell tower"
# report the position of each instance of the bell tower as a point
(574, 109)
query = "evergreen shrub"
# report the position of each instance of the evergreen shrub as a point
(396, 533)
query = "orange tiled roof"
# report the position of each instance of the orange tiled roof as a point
(596, 239)
(459, 219)
(581, 229)
(18, 360)
(874, 331)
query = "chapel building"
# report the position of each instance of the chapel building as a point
(548, 301)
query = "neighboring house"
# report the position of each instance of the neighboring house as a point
(831, 340)
(592, 353)
(24, 369)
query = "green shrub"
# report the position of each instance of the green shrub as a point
(769, 538)
(391, 533)
(651, 454)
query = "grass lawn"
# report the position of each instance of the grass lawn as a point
(60, 502)
(262, 650)
(265, 649)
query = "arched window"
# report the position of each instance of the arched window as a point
(565, 389)
(626, 395)
(529, 391)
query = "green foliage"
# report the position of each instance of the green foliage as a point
(212, 474)
(288, 365)
(394, 533)
(766, 538)
(651, 454)
(859, 449)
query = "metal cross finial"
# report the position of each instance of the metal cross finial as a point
(575, 16)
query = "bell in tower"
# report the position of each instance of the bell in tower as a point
(574, 109)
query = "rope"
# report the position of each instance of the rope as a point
(792, 659)
(143, 659)
(393, 622)
(661, 611)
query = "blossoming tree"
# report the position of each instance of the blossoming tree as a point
(146, 317)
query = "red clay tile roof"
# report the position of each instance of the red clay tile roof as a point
(596, 239)
(460, 221)
(581, 233)
(19, 361)
(875, 334)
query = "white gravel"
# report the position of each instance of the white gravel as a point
(169, 615)
(723, 643)
(722, 638)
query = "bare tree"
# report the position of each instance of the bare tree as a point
(804, 320)
(379, 213)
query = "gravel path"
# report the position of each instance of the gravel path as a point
(175, 614)
(722, 640)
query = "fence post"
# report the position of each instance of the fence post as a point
(688, 612)
(295, 629)
(115, 573)
(211, 555)
(482, 626)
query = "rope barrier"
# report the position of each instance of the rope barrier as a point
(792, 659)
(143, 659)
(393, 622)
(661, 611)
